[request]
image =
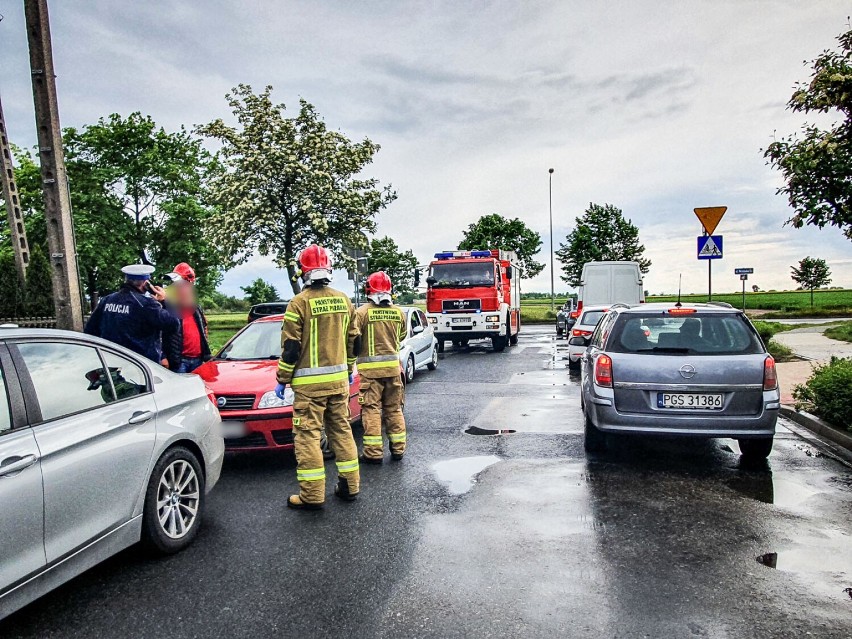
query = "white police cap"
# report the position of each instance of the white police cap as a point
(138, 271)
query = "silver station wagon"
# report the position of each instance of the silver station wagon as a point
(99, 449)
(699, 370)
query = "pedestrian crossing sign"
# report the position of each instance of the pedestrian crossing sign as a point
(709, 247)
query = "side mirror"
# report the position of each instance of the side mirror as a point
(578, 341)
(431, 281)
(417, 330)
(509, 272)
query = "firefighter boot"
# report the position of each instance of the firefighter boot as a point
(310, 466)
(342, 490)
(370, 399)
(339, 434)
(392, 399)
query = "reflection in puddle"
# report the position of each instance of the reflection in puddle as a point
(773, 490)
(460, 474)
(475, 430)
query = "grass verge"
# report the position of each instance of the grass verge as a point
(842, 332)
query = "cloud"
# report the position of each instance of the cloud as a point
(657, 108)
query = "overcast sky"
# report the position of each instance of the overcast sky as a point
(656, 107)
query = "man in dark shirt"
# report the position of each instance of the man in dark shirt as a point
(135, 315)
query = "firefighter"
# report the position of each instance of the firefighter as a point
(319, 344)
(382, 327)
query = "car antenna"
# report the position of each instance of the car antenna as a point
(679, 279)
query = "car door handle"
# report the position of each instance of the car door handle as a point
(140, 417)
(12, 465)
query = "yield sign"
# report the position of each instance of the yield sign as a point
(709, 217)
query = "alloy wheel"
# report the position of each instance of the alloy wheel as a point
(178, 499)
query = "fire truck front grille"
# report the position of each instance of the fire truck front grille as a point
(461, 306)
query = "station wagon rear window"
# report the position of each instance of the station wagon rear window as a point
(693, 334)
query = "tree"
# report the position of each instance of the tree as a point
(38, 296)
(383, 254)
(259, 292)
(497, 232)
(816, 168)
(287, 182)
(602, 233)
(103, 231)
(812, 272)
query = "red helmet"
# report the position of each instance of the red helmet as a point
(182, 271)
(379, 282)
(314, 257)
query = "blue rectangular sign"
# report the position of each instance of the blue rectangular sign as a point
(709, 247)
(743, 271)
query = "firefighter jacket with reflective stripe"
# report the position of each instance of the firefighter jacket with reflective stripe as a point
(318, 342)
(382, 329)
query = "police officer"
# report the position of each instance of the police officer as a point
(382, 327)
(135, 315)
(319, 344)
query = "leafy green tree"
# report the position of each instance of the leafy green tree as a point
(811, 273)
(259, 292)
(38, 296)
(602, 233)
(287, 182)
(103, 231)
(11, 295)
(817, 166)
(384, 255)
(497, 232)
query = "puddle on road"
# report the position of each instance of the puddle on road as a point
(475, 430)
(460, 474)
(772, 490)
(824, 561)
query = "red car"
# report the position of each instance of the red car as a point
(242, 377)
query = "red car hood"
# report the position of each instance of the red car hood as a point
(225, 377)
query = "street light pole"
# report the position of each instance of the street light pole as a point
(550, 204)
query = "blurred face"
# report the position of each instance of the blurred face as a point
(184, 294)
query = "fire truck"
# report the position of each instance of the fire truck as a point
(475, 295)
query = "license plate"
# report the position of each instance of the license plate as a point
(700, 401)
(231, 429)
(461, 320)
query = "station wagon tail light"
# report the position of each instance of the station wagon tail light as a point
(603, 371)
(681, 311)
(576, 332)
(770, 375)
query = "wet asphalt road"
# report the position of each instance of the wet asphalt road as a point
(657, 538)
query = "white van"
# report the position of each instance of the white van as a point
(604, 283)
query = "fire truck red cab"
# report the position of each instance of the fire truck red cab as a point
(475, 295)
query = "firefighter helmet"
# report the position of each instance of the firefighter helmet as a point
(315, 264)
(379, 282)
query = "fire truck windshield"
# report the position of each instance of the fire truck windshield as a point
(459, 274)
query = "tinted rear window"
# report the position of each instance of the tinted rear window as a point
(591, 318)
(694, 334)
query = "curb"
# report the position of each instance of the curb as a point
(821, 429)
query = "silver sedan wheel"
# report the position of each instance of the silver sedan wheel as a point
(177, 499)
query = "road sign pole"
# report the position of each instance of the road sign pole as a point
(709, 276)
(744, 296)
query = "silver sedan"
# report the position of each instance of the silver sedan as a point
(99, 449)
(698, 370)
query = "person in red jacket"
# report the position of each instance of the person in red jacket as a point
(186, 347)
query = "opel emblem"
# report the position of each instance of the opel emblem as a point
(221, 401)
(687, 371)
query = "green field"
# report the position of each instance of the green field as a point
(221, 326)
(835, 302)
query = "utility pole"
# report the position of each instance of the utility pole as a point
(57, 201)
(550, 204)
(13, 204)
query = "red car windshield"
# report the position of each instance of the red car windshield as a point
(260, 340)
(461, 274)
